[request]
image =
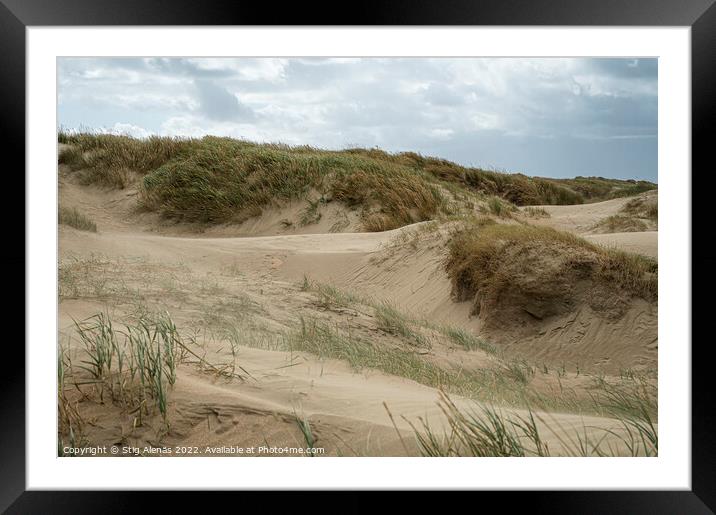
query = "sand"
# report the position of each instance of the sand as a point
(645, 242)
(136, 260)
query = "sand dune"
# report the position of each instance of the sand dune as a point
(133, 263)
(581, 218)
(645, 243)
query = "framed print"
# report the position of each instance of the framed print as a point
(419, 252)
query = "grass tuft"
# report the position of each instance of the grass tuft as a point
(499, 207)
(468, 340)
(135, 366)
(537, 268)
(486, 431)
(635, 216)
(330, 297)
(73, 218)
(621, 223)
(396, 323)
(537, 212)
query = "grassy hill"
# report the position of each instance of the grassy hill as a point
(216, 180)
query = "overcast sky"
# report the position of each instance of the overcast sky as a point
(550, 117)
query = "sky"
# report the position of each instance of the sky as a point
(551, 117)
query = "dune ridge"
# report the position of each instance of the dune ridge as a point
(257, 290)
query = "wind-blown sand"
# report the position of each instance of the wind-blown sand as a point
(195, 276)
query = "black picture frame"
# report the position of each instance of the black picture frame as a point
(700, 15)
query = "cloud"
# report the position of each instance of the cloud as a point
(442, 134)
(626, 68)
(217, 103)
(450, 107)
(445, 95)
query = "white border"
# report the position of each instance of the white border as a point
(670, 470)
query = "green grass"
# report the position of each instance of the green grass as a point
(633, 217)
(493, 384)
(391, 320)
(116, 357)
(135, 366)
(519, 370)
(469, 341)
(621, 223)
(516, 188)
(486, 431)
(540, 265)
(595, 189)
(396, 323)
(499, 207)
(330, 297)
(642, 207)
(105, 152)
(216, 180)
(326, 341)
(388, 318)
(74, 218)
(305, 427)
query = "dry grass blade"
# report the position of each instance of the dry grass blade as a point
(73, 218)
(487, 431)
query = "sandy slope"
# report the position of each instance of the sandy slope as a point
(412, 279)
(583, 218)
(645, 243)
(345, 409)
(196, 277)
